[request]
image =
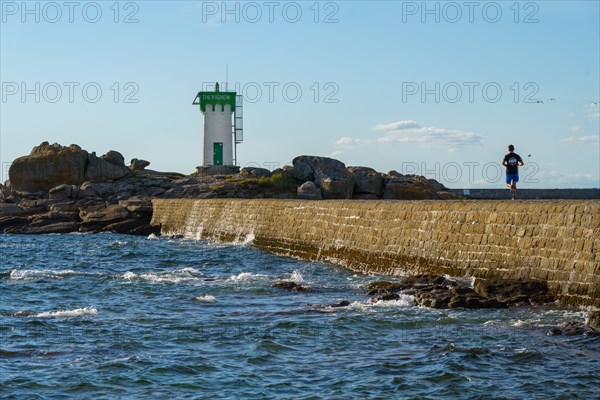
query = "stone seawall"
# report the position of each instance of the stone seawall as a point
(553, 241)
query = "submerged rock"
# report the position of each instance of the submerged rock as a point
(290, 285)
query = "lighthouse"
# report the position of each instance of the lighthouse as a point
(223, 129)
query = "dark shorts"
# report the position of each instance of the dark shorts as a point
(512, 178)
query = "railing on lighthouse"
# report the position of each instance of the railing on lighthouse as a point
(238, 125)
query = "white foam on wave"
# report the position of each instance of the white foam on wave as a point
(152, 236)
(207, 298)
(468, 281)
(404, 301)
(68, 313)
(245, 240)
(246, 276)
(183, 275)
(296, 276)
(34, 274)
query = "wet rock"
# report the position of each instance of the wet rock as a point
(290, 285)
(593, 321)
(572, 328)
(378, 287)
(48, 227)
(366, 180)
(513, 291)
(138, 165)
(309, 191)
(385, 296)
(343, 303)
(12, 224)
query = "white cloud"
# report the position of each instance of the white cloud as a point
(334, 153)
(398, 125)
(575, 128)
(348, 141)
(582, 139)
(428, 136)
(594, 115)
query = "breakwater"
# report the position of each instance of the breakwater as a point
(553, 241)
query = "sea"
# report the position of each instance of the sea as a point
(107, 316)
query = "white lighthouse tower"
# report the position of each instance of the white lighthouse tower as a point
(222, 126)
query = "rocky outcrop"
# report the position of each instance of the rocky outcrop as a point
(513, 291)
(94, 188)
(408, 187)
(109, 167)
(48, 166)
(438, 292)
(138, 165)
(328, 174)
(366, 181)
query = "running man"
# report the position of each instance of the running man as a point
(512, 161)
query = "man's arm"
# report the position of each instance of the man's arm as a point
(520, 162)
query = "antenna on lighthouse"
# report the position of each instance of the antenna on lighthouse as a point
(226, 77)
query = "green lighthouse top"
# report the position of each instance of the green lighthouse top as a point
(215, 98)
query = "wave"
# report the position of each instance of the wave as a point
(207, 298)
(152, 236)
(183, 275)
(246, 276)
(296, 276)
(35, 274)
(67, 313)
(404, 301)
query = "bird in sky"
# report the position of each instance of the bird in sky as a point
(539, 101)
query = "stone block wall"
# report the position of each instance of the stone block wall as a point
(555, 241)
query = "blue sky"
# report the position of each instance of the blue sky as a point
(436, 88)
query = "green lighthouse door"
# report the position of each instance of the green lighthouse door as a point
(217, 153)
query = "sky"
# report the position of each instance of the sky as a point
(437, 88)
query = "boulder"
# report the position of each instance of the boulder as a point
(407, 187)
(366, 180)
(138, 165)
(328, 174)
(48, 166)
(256, 172)
(110, 166)
(309, 191)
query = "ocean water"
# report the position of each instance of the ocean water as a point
(113, 316)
